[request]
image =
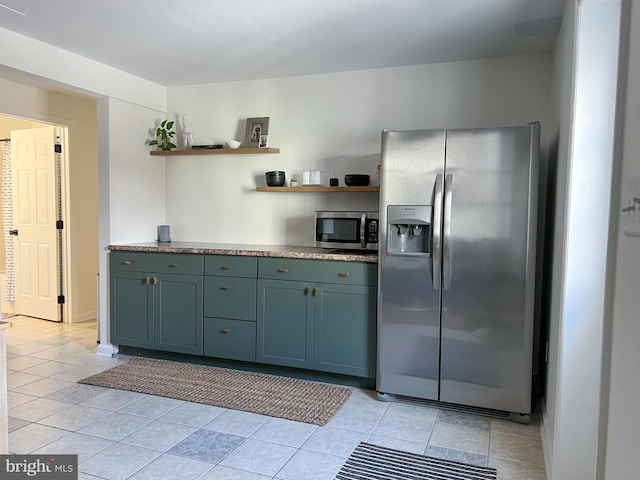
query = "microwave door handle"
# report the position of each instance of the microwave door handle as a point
(437, 232)
(363, 240)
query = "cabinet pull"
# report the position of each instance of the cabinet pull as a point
(174, 265)
(343, 274)
(226, 267)
(316, 292)
(148, 281)
(283, 270)
(155, 280)
(127, 262)
(226, 287)
(308, 290)
(225, 330)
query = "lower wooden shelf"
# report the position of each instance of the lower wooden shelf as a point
(319, 188)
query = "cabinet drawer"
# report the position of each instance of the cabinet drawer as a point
(232, 339)
(230, 266)
(181, 263)
(130, 261)
(230, 297)
(347, 273)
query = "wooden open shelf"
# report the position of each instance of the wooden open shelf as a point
(370, 188)
(214, 151)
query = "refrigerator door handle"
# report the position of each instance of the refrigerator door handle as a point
(446, 233)
(437, 231)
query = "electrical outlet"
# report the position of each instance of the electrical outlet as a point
(630, 215)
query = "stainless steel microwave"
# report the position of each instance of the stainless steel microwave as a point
(347, 230)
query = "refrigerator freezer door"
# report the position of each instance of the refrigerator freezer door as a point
(487, 303)
(408, 303)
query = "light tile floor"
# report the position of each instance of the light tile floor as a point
(126, 435)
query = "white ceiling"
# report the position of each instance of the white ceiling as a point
(186, 42)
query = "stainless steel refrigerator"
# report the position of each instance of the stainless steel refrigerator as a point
(456, 266)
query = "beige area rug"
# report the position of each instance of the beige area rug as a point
(271, 395)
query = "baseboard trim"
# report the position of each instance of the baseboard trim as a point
(547, 454)
(84, 317)
(107, 350)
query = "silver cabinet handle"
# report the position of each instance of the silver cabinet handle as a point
(174, 265)
(344, 274)
(283, 270)
(308, 290)
(437, 231)
(226, 287)
(148, 281)
(155, 280)
(226, 267)
(225, 330)
(316, 292)
(447, 254)
(127, 262)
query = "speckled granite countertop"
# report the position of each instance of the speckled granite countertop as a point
(279, 251)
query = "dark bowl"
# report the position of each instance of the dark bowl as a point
(356, 180)
(275, 178)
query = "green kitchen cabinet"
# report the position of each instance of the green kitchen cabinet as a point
(177, 307)
(327, 323)
(345, 329)
(157, 301)
(131, 306)
(230, 307)
(285, 323)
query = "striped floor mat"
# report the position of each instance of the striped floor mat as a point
(371, 462)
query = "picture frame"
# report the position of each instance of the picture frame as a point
(255, 128)
(263, 141)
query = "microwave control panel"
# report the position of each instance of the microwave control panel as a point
(371, 230)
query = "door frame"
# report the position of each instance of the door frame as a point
(62, 126)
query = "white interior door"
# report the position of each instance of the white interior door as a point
(33, 160)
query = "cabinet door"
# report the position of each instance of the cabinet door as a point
(345, 329)
(178, 313)
(131, 309)
(285, 323)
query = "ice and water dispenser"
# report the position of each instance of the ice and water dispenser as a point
(409, 229)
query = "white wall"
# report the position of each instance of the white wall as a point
(330, 122)
(582, 149)
(56, 66)
(559, 124)
(623, 419)
(136, 179)
(131, 188)
(584, 282)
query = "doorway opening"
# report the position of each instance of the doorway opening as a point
(33, 259)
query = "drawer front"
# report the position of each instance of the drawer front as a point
(346, 273)
(130, 261)
(230, 297)
(232, 339)
(180, 263)
(231, 266)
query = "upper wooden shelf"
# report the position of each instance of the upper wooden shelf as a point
(214, 151)
(318, 188)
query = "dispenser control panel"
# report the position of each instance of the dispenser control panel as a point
(409, 230)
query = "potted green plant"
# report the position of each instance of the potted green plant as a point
(164, 136)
